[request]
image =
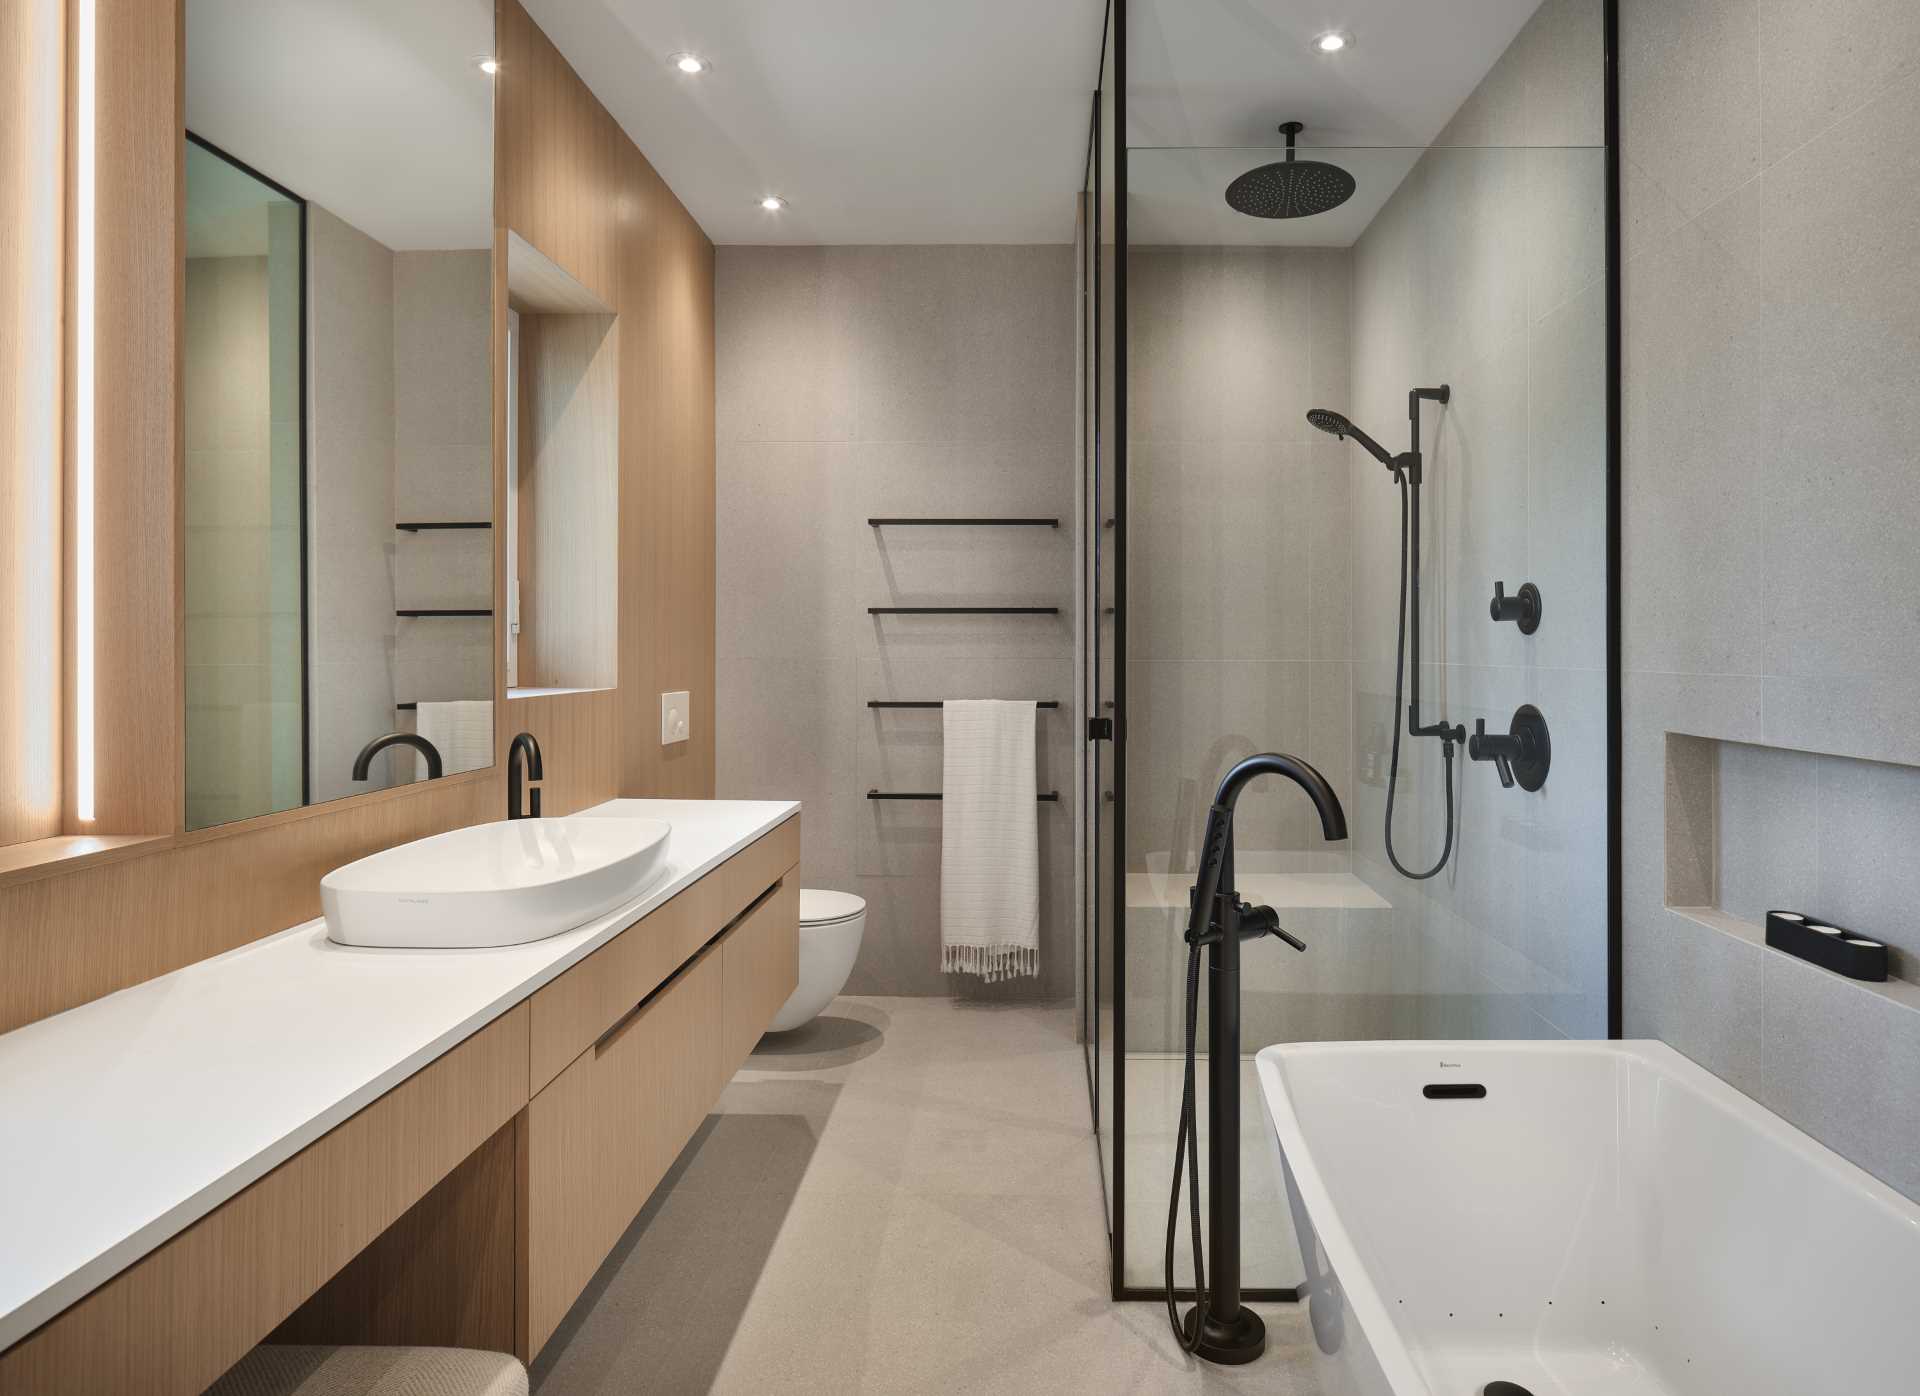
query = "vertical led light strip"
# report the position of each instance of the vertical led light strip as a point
(83, 210)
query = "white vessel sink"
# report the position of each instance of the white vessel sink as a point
(493, 884)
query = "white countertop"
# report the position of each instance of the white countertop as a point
(125, 1120)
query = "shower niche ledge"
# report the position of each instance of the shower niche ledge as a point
(1752, 828)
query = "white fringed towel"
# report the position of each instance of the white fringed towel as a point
(989, 841)
(461, 732)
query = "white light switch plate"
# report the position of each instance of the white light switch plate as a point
(676, 711)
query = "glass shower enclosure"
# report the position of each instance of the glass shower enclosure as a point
(1249, 569)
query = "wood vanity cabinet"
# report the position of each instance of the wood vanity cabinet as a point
(662, 1035)
(470, 1204)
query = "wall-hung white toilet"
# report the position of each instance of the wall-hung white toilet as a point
(831, 924)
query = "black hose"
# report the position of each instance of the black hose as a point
(1186, 1149)
(1399, 680)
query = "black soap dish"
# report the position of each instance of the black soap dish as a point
(1827, 945)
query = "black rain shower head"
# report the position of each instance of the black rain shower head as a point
(1337, 425)
(1290, 188)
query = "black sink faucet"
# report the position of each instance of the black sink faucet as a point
(525, 748)
(364, 761)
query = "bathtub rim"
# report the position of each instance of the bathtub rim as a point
(1356, 1284)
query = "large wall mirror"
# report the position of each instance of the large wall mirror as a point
(338, 391)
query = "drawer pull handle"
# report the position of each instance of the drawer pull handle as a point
(627, 1019)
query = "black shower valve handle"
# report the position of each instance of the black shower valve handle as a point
(1482, 750)
(1522, 608)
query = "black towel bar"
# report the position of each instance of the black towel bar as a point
(416, 614)
(934, 703)
(963, 610)
(418, 526)
(1051, 796)
(974, 523)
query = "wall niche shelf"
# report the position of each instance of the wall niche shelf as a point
(1743, 835)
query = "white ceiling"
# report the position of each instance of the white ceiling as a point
(880, 121)
(1222, 75)
(1178, 198)
(1228, 72)
(374, 109)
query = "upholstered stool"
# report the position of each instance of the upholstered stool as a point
(289, 1370)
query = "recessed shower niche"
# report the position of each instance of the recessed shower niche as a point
(563, 433)
(1752, 828)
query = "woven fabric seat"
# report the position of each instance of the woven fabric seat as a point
(289, 1370)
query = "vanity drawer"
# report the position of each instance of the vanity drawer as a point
(602, 1135)
(758, 866)
(761, 959)
(574, 1010)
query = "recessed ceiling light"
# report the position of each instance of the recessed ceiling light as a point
(1333, 41)
(690, 63)
(773, 203)
(489, 66)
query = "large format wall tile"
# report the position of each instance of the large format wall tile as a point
(1772, 323)
(1823, 59)
(1690, 107)
(1694, 567)
(858, 382)
(1841, 1062)
(1842, 338)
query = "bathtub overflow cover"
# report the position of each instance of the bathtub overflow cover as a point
(1504, 1388)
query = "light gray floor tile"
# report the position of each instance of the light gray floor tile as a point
(902, 1197)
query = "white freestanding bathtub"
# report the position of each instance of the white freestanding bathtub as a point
(1606, 1218)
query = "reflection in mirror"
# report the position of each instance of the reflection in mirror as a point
(338, 389)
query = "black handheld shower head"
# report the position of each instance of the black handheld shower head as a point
(1336, 425)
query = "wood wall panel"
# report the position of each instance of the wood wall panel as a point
(32, 194)
(574, 186)
(577, 732)
(257, 1257)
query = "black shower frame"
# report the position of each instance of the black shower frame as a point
(306, 620)
(1610, 22)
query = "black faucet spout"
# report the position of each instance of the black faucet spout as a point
(1219, 1328)
(523, 765)
(363, 763)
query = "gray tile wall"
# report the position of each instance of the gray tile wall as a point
(1484, 271)
(861, 381)
(1772, 297)
(1237, 514)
